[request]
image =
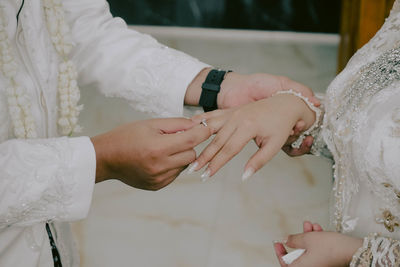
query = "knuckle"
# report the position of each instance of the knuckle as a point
(217, 142)
(191, 142)
(228, 150)
(198, 117)
(284, 80)
(158, 181)
(153, 153)
(154, 169)
(247, 124)
(215, 113)
(212, 127)
(192, 155)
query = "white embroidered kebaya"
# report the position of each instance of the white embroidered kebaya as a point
(68, 91)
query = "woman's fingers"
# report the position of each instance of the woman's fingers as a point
(178, 142)
(181, 159)
(280, 251)
(215, 145)
(266, 152)
(212, 114)
(305, 148)
(300, 125)
(317, 227)
(307, 227)
(173, 125)
(231, 148)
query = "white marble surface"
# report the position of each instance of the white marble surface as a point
(222, 222)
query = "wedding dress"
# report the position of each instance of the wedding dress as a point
(361, 128)
(51, 179)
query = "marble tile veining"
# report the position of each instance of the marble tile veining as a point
(222, 222)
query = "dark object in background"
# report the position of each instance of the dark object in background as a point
(280, 15)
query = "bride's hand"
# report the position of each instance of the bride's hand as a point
(321, 248)
(269, 122)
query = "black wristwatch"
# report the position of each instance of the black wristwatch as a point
(211, 88)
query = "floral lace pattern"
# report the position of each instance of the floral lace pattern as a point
(28, 201)
(377, 251)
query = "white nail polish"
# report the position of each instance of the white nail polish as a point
(247, 174)
(193, 167)
(205, 175)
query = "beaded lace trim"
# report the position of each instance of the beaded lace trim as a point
(68, 91)
(377, 251)
(373, 78)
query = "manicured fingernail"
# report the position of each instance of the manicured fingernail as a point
(247, 174)
(193, 167)
(205, 175)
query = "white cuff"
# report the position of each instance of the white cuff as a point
(83, 166)
(182, 76)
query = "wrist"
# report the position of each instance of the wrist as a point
(231, 82)
(354, 245)
(102, 172)
(297, 109)
(193, 91)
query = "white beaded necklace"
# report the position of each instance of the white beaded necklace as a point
(18, 101)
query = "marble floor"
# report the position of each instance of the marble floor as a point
(222, 222)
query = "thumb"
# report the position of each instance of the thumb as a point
(173, 125)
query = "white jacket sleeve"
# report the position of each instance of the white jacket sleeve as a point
(45, 180)
(124, 63)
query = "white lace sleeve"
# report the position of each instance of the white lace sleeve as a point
(377, 251)
(45, 180)
(124, 63)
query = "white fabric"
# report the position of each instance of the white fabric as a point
(365, 141)
(51, 179)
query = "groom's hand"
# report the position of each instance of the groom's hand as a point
(148, 154)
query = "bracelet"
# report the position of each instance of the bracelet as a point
(316, 123)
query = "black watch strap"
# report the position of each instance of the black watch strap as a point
(211, 88)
